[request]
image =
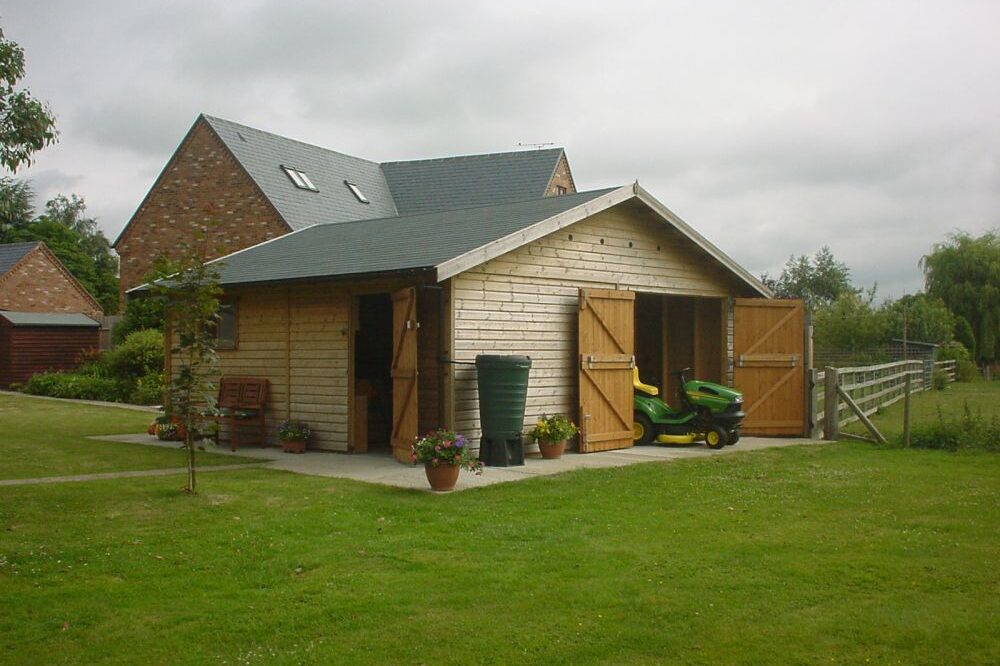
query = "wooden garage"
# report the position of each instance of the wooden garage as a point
(33, 342)
(367, 329)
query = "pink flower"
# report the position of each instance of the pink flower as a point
(447, 444)
(437, 448)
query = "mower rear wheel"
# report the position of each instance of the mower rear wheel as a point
(734, 436)
(643, 431)
(716, 437)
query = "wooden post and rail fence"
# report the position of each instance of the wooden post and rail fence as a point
(839, 396)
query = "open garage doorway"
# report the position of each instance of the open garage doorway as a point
(675, 332)
(372, 373)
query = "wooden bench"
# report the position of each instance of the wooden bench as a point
(241, 405)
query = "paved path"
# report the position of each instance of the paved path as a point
(123, 475)
(383, 469)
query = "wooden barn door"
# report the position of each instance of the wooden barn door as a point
(768, 353)
(607, 355)
(404, 372)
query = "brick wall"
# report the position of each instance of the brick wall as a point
(562, 177)
(38, 283)
(202, 188)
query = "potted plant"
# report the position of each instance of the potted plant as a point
(293, 436)
(551, 433)
(443, 454)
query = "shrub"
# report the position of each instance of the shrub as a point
(137, 356)
(77, 386)
(148, 389)
(969, 430)
(939, 380)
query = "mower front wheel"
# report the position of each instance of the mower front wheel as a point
(643, 431)
(716, 437)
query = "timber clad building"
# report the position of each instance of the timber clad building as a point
(361, 290)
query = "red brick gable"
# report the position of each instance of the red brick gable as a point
(561, 177)
(40, 283)
(202, 189)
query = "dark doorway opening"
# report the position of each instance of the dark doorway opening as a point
(372, 367)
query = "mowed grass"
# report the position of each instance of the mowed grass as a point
(838, 553)
(926, 406)
(50, 438)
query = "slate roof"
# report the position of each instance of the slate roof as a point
(390, 244)
(262, 154)
(424, 186)
(47, 319)
(11, 253)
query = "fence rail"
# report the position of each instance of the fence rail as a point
(869, 387)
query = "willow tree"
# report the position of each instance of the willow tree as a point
(191, 303)
(964, 272)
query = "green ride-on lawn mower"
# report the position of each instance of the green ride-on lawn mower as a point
(707, 410)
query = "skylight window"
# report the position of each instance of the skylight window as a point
(356, 191)
(299, 178)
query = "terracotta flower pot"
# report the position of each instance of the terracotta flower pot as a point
(442, 477)
(293, 446)
(552, 450)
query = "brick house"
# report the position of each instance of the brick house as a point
(32, 279)
(363, 291)
(241, 186)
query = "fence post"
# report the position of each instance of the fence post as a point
(906, 411)
(812, 393)
(831, 406)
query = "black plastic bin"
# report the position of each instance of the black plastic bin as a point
(503, 392)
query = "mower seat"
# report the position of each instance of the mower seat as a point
(639, 386)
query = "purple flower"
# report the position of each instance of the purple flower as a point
(459, 441)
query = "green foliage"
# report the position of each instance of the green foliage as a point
(965, 273)
(140, 313)
(928, 319)
(556, 428)
(148, 389)
(191, 304)
(293, 431)
(820, 280)
(16, 207)
(850, 323)
(968, 430)
(939, 379)
(965, 369)
(77, 386)
(444, 447)
(137, 356)
(26, 124)
(965, 336)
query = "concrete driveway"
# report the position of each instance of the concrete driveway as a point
(382, 468)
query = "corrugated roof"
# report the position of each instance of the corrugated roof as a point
(424, 186)
(47, 319)
(262, 154)
(11, 253)
(389, 244)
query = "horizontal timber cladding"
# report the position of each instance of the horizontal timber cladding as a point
(298, 339)
(27, 350)
(526, 301)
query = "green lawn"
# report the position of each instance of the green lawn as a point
(49, 438)
(839, 553)
(981, 397)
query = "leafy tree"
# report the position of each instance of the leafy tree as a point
(850, 323)
(191, 301)
(16, 207)
(965, 336)
(144, 311)
(818, 281)
(26, 124)
(927, 319)
(965, 273)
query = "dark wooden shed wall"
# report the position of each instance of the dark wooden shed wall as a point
(25, 350)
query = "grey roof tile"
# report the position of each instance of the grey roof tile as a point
(389, 244)
(47, 319)
(262, 154)
(423, 186)
(11, 253)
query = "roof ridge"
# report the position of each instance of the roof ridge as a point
(595, 192)
(472, 155)
(287, 138)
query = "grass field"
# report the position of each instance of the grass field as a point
(982, 397)
(838, 553)
(50, 438)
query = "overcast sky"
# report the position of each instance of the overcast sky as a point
(774, 128)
